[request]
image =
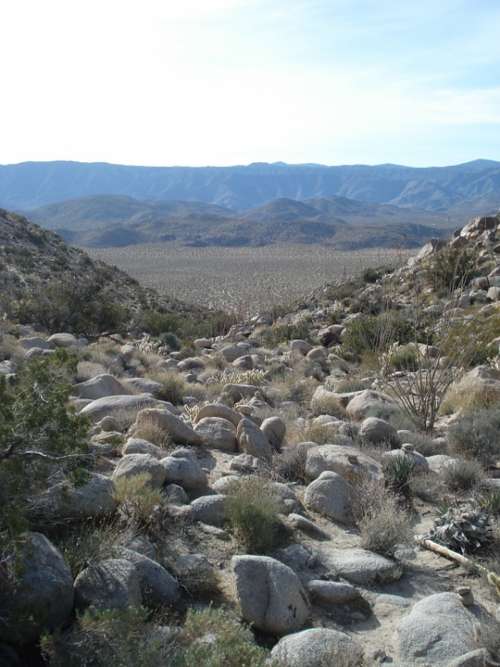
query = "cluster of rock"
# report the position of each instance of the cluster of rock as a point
(315, 597)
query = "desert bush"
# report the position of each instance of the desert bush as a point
(283, 333)
(173, 386)
(476, 336)
(349, 385)
(86, 543)
(421, 393)
(187, 326)
(476, 435)
(327, 403)
(375, 333)
(451, 268)
(403, 358)
(383, 524)
(252, 513)
(490, 501)
(73, 305)
(468, 395)
(429, 487)
(136, 498)
(114, 637)
(215, 638)
(462, 476)
(371, 275)
(398, 472)
(290, 465)
(38, 435)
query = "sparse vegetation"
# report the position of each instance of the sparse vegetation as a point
(252, 513)
(476, 435)
(462, 476)
(136, 498)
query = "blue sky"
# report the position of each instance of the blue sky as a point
(198, 82)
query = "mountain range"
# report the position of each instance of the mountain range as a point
(116, 220)
(100, 204)
(462, 189)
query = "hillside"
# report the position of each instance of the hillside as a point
(41, 277)
(318, 486)
(111, 221)
(464, 189)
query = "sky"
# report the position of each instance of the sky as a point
(219, 82)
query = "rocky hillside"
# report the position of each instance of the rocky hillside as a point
(41, 277)
(318, 488)
(111, 221)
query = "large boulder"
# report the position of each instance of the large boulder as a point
(110, 584)
(35, 342)
(41, 597)
(360, 566)
(437, 630)
(140, 446)
(325, 402)
(209, 509)
(375, 431)
(218, 433)
(270, 594)
(123, 408)
(180, 432)
(158, 586)
(317, 647)
(274, 428)
(349, 462)
(66, 340)
(369, 403)
(251, 440)
(143, 386)
(219, 410)
(330, 495)
(65, 500)
(182, 468)
(238, 392)
(132, 465)
(232, 352)
(100, 386)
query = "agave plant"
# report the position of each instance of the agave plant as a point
(463, 529)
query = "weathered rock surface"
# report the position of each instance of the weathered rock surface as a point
(270, 594)
(317, 647)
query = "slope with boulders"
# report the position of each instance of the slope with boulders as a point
(286, 510)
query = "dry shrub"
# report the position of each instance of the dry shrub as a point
(476, 435)
(136, 498)
(252, 513)
(173, 386)
(462, 476)
(468, 394)
(382, 522)
(290, 464)
(293, 386)
(88, 543)
(328, 404)
(151, 432)
(89, 369)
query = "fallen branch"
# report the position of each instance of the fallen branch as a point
(493, 579)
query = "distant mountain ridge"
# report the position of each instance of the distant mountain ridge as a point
(116, 220)
(460, 190)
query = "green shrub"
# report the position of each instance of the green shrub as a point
(173, 386)
(136, 498)
(283, 333)
(87, 542)
(111, 638)
(38, 435)
(371, 275)
(476, 435)
(252, 513)
(215, 638)
(376, 333)
(451, 268)
(75, 306)
(187, 326)
(290, 464)
(474, 338)
(398, 471)
(403, 358)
